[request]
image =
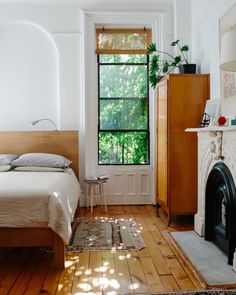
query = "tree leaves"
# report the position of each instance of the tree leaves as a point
(123, 105)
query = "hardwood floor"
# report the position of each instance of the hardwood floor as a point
(154, 269)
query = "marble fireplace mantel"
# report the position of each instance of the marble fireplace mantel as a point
(212, 128)
(215, 143)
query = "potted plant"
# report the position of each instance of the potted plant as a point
(162, 63)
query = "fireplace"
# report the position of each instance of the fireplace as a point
(220, 209)
(216, 214)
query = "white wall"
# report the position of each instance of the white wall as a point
(41, 58)
(205, 38)
(182, 24)
(39, 73)
(48, 69)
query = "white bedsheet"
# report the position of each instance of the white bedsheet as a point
(29, 199)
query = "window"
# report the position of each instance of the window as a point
(123, 99)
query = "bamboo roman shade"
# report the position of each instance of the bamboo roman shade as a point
(123, 41)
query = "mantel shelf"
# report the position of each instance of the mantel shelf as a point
(212, 128)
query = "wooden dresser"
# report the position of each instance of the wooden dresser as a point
(180, 104)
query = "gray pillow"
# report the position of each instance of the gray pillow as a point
(41, 160)
(4, 168)
(5, 159)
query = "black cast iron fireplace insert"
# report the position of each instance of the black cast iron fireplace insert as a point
(220, 211)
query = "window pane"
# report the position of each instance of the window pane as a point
(123, 81)
(123, 58)
(123, 148)
(123, 114)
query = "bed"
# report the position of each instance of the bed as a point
(43, 206)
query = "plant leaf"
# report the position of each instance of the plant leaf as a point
(178, 59)
(165, 67)
(151, 48)
(174, 43)
(155, 58)
(184, 48)
(154, 64)
(153, 80)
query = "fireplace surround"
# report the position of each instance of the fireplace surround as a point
(216, 215)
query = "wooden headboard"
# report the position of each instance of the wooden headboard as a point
(63, 143)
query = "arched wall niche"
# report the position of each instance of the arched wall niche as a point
(29, 76)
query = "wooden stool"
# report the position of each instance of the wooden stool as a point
(91, 191)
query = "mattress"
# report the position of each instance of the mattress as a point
(39, 199)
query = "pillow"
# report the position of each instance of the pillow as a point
(5, 159)
(39, 169)
(4, 168)
(41, 160)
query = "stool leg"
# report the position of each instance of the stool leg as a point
(100, 193)
(87, 195)
(103, 196)
(91, 198)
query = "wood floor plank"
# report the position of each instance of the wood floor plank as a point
(110, 284)
(67, 276)
(152, 277)
(179, 274)
(156, 268)
(128, 211)
(157, 219)
(143, 230)
(51, 281)
(139, 282)
(11, 267)
(123, 275)
(169, 283)
(24, 277)
(159, 261)
(162, 244)
(116, 211)
(95, 273)
(80, 281)
(188, 267)
(44, 260)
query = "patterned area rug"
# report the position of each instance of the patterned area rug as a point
(105, 233)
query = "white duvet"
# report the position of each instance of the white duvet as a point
(37, 199)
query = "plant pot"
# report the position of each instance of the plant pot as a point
(187, 69)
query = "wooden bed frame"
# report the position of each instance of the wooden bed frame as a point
(64, 143)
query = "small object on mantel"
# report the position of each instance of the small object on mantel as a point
(222, 120)
(205, 120)
(233, 122)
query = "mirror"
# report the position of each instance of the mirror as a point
(228, 79)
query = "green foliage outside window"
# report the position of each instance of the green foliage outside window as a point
(123, 108)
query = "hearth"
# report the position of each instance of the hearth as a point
(220, 210)
(216, 215)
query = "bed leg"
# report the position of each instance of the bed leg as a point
(59, 253)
